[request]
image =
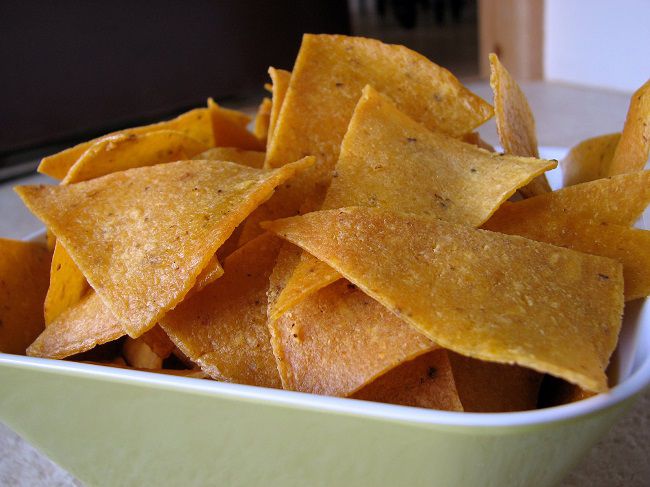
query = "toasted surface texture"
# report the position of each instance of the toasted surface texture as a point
(141, 237)
(489, 296)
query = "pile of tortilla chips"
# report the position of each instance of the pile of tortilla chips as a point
(361, 241)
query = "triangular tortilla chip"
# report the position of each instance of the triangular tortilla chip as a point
(424, 382)
(634, 147)
(80, 328)
(141, 237)
(589, 160)
(618, 200)
(629, 246)
(24, 269)
(210, 273)
(338, 340)
(126, 151)
(515, 121)
(229, 128)
(412, 170)
(473, 291)
(250, 158)
(262, 120)
(195, 124)
(223, 329)
(280, 79)
(67, 285)
(487, 387)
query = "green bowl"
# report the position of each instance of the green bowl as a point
(113, 427)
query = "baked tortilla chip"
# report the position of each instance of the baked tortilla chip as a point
(589, 160)
(223, 328)
(515, 121)
(618, 200)
(338, 340)
(229, 128)
(412, 170)
(424, 382)
(632, 151)
(128, 150)
(210, 273)
(67, 285)
(80, 328)
(24, 269)
(487, 387)
(195, 124)
(280, 79)
(485, 295)
(262, 120)
(142, 236)
(629, 246)
(248, 158)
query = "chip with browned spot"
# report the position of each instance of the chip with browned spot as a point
(515, 121)
(482, 294)
(424, 382)
(250, 158)
(223, 328)
(195, 124)
(338, 340)
(142, 236)
(24, 268)
(589, 160)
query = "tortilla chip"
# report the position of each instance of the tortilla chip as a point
(618, 200)
(474, 138)
(515, 121)
(210, 273)
(629, 246)
(80, 328)
(338, 340)
(473, 291)
(158, 342)
(248, 158)
(223, 328)
(589, 160)
(24, 269)
(280, 79)
(486, 387)
(262, 120)
(414, 171)
(229, 128)
(195, 124)
(138, 354)
(425, 382)
(67, 285)
(141, 237)
(632, 151)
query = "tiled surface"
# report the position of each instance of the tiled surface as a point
(565, 115)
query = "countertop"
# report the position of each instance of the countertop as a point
(565, 115)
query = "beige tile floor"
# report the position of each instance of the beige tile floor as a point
(565, 115)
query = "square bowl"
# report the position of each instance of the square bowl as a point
(111, 426)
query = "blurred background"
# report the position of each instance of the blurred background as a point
(75, 69)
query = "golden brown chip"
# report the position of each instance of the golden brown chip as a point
(81, 327)
(280, 79)
(248, 158)
(632, 150)
(617, 200)
(338, 340)
(474, 138)
(141, 237)
(129, 150)
(629, 246)
(159, 342)
(24, 268)
(424, 382)
(229, 128)
(223, 328)
(412, 170)
(139, 355)
(210, 273)
(482, 294)
(515, 121)
(487, 387)
(262, 120)
(195, 124)
(67, 284)
(589, 160)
